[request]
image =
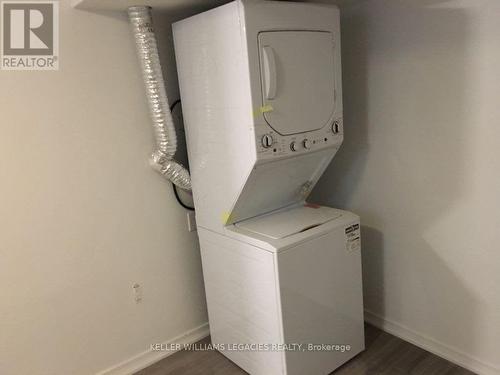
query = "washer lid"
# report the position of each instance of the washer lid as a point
(285, 223)
(298, 79)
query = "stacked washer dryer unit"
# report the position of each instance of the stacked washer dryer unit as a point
(262, 103)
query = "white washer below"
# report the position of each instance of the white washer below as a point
(290, 277)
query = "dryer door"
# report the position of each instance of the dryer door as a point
(298, 79)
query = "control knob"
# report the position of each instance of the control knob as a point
(267, 141)
(335, 127)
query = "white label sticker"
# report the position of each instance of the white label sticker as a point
(353, 237)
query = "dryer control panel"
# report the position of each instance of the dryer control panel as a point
(272, 145)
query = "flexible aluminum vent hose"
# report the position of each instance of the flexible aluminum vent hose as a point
(162, 159)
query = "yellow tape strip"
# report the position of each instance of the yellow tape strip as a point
(263, 109)
(226, 216)
(266, 108)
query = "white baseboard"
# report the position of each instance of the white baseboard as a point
(431, 345)
(149, 357)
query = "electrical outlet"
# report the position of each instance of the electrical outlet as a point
(191, 219)
(137, 290)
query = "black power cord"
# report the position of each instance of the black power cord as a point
(176, 192)
(180, 200)
(174, 104)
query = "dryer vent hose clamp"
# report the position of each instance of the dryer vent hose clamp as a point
(162, 158)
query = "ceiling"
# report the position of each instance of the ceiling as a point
(182, 6)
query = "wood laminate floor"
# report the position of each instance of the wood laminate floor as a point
(384, 355)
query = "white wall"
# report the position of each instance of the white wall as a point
(83, 217)
(420, 166)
